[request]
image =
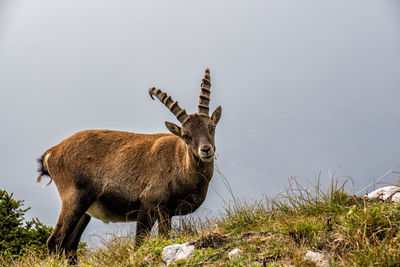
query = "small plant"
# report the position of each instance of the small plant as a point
(16, 235)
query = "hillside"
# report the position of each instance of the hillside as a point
(347, 230)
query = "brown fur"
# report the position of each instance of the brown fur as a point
(123, 176)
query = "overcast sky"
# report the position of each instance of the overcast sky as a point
(304, 86)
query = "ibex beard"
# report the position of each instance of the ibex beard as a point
(120, 176)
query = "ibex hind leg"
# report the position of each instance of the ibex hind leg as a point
(73, 243)
(73, 208)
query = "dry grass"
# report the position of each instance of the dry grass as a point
(349, 230)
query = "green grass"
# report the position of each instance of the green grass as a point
(350, 230)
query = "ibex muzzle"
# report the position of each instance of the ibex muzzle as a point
(120, 176)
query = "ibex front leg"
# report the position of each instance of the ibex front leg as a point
(145, 222)
(164, 222)
(149, 205)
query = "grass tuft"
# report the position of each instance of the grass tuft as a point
(348, 230)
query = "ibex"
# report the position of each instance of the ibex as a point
(120, 176)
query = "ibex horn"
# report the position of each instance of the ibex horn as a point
(179, 113)
(205, 93)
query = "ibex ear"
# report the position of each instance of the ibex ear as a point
(173, 128)
(216, 115)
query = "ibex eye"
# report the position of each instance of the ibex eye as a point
(186, 137)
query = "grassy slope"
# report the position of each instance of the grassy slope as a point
(349, 230)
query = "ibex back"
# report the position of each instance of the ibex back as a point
(121, 176)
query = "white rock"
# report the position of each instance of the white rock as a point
(386, 193)
(176, 252)
(317, 257)
(236, 252)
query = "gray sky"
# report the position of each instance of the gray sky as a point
(304, 85)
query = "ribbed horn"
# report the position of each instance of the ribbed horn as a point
(205, 93)
(179, 113)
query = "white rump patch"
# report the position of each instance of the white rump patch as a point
(45, 160)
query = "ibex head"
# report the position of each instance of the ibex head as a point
(198, 129)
